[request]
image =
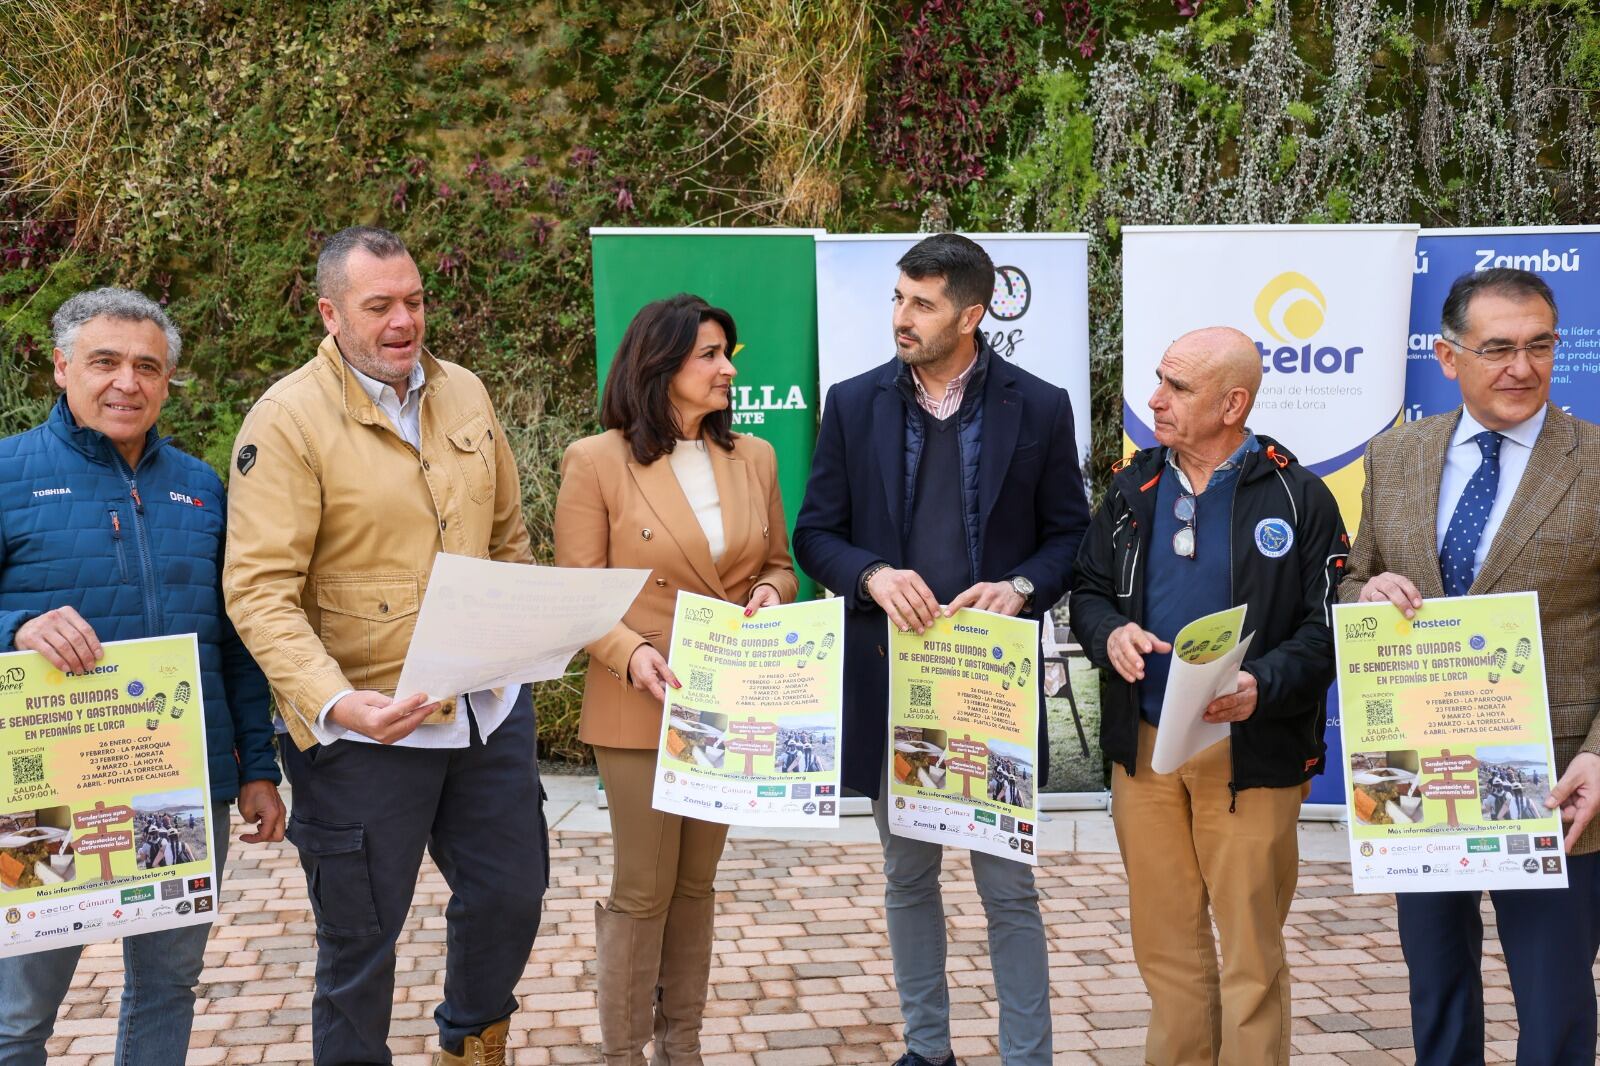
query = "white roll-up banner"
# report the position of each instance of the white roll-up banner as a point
(1038, 319)
(1326, 306)
(1329, 309)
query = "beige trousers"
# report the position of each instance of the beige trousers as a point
(1190, 860)
(657, 856)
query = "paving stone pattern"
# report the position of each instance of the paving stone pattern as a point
(801, 976)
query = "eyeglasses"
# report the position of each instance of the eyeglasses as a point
(1500, 354)
(1183, 539)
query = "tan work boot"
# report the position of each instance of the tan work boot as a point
(627, 960)
(685, 970)
(488, 1048)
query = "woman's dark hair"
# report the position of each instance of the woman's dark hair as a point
(658, 340)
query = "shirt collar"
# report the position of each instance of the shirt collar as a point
(1523, 433)
(1249, 444)
(375, 388)
(957, 382)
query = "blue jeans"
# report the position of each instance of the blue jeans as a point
(160, 971)
(918, 940)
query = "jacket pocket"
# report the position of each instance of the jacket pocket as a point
(1125, 555)
(473, 444)
(367, 621)
(337, 878)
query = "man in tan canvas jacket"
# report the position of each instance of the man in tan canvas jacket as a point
(349, 476)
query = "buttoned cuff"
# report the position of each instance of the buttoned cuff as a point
(325, 731)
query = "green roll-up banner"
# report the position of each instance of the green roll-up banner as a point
(766, 279)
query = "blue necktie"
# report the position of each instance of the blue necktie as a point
(1458, 557)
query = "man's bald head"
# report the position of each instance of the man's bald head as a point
(1231, 358)
(1208, 380)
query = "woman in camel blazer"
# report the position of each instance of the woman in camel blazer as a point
(671, 489)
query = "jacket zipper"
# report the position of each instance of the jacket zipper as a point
(116, 538)
(147, 576)
(1233, 518)
(1132, 577)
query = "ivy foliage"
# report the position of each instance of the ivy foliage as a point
(491, 137)
(1455, 114)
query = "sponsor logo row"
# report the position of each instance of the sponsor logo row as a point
(1511, 844)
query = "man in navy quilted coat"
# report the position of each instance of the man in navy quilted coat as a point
(108, 532)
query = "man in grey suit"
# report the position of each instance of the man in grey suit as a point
(1502, 495)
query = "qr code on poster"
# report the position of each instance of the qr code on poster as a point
(921, 695)
(701, 680)
(27, 769)
(1380, 710)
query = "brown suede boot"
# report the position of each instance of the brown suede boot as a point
(685, 972)
(627, 960)
(488, 1048)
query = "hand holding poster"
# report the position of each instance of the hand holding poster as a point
(752, 737)
(964, 733)
(1205, 665)
(105, 826)
(1447, 728)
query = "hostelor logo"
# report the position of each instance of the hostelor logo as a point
(1291, 305)
(1292, 309)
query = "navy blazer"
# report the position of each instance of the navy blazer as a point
(1032, 513)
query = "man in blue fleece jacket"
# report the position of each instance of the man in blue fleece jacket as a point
(108, 532)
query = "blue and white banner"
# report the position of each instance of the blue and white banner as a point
(1567, 257)
(1038, 319)
(1325, 305)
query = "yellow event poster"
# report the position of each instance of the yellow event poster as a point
(752, 737)
(964, 734)
(104, 797)
(1448, 760)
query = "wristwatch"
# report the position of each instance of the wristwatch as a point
(1024, 589)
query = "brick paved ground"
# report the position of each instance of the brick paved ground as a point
(802, 971)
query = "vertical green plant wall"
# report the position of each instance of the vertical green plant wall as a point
(199, 151)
